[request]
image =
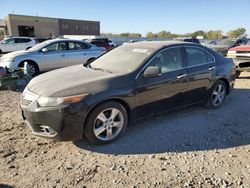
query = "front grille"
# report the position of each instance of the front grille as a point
(243, 52)
(244, 65)
(26, 102)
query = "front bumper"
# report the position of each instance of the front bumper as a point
(58, 123)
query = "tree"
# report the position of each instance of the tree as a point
(151, 35)
(198, 33)
(236, 33)
(214, 35)
(1, 34)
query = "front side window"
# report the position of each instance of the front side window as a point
(58, 46)
(197, 56)
(168, 60)
(8, 41)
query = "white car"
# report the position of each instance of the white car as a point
(11, 44)
(52, 54)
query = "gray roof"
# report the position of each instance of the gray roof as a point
(2, 23)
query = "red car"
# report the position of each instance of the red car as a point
(241, 58)
(102, 42)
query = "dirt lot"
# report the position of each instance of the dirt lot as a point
(194, 147)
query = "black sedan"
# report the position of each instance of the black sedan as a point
(130, 82)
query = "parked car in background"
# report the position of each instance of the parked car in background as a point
(130, 82)
(11, 44)
(224, 45)
(112, 43)
(194, 40)
(241, 58)
(102, 42)
(52, 54)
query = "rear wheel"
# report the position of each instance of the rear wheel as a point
(106, 123)
(217, 95)
(90, 61)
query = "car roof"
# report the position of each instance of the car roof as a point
(65, 39)
(10, 37)
(158, 44)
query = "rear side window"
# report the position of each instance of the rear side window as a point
(197, 56)
(20, 40)
(78, 46)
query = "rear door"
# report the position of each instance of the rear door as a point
(55, 57)
(22, 43)
(201, 70)
(78, 53)
(166, 91)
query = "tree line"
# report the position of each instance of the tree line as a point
(212, 34)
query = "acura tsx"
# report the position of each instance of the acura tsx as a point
(128, 83)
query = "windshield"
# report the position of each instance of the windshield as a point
(226, 42)
(39, 46)
(123, 59)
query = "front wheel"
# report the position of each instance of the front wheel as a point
(106, 123)
(32, 68)
(217, 95)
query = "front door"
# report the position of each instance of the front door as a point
(55, 56)
(166, 91)
(9, 45)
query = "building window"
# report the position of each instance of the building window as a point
(65, 26)
(77, 27)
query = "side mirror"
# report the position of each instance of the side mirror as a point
(44, 50)
(152, 72)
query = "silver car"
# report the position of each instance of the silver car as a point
(52, 54)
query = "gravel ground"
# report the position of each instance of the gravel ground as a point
(193, 147)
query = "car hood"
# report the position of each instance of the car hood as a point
(241, 48)
(70, 81)
(219, 47)
(15, 54)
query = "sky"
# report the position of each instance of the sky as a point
(117, 16)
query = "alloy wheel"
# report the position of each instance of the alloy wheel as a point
(31, 69)
(218, 95)
(108, 124)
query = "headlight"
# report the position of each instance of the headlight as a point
(8, 59)
(231, 52)
(55, 101)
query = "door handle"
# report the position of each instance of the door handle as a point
(211, 68)
(84, 53)
(63, 55)
(181, 76)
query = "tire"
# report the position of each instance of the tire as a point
(217, 95)
(90, 61)
(1, 51)
(237, 74)
(33, 68)
(101, 128)
(12, 86)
